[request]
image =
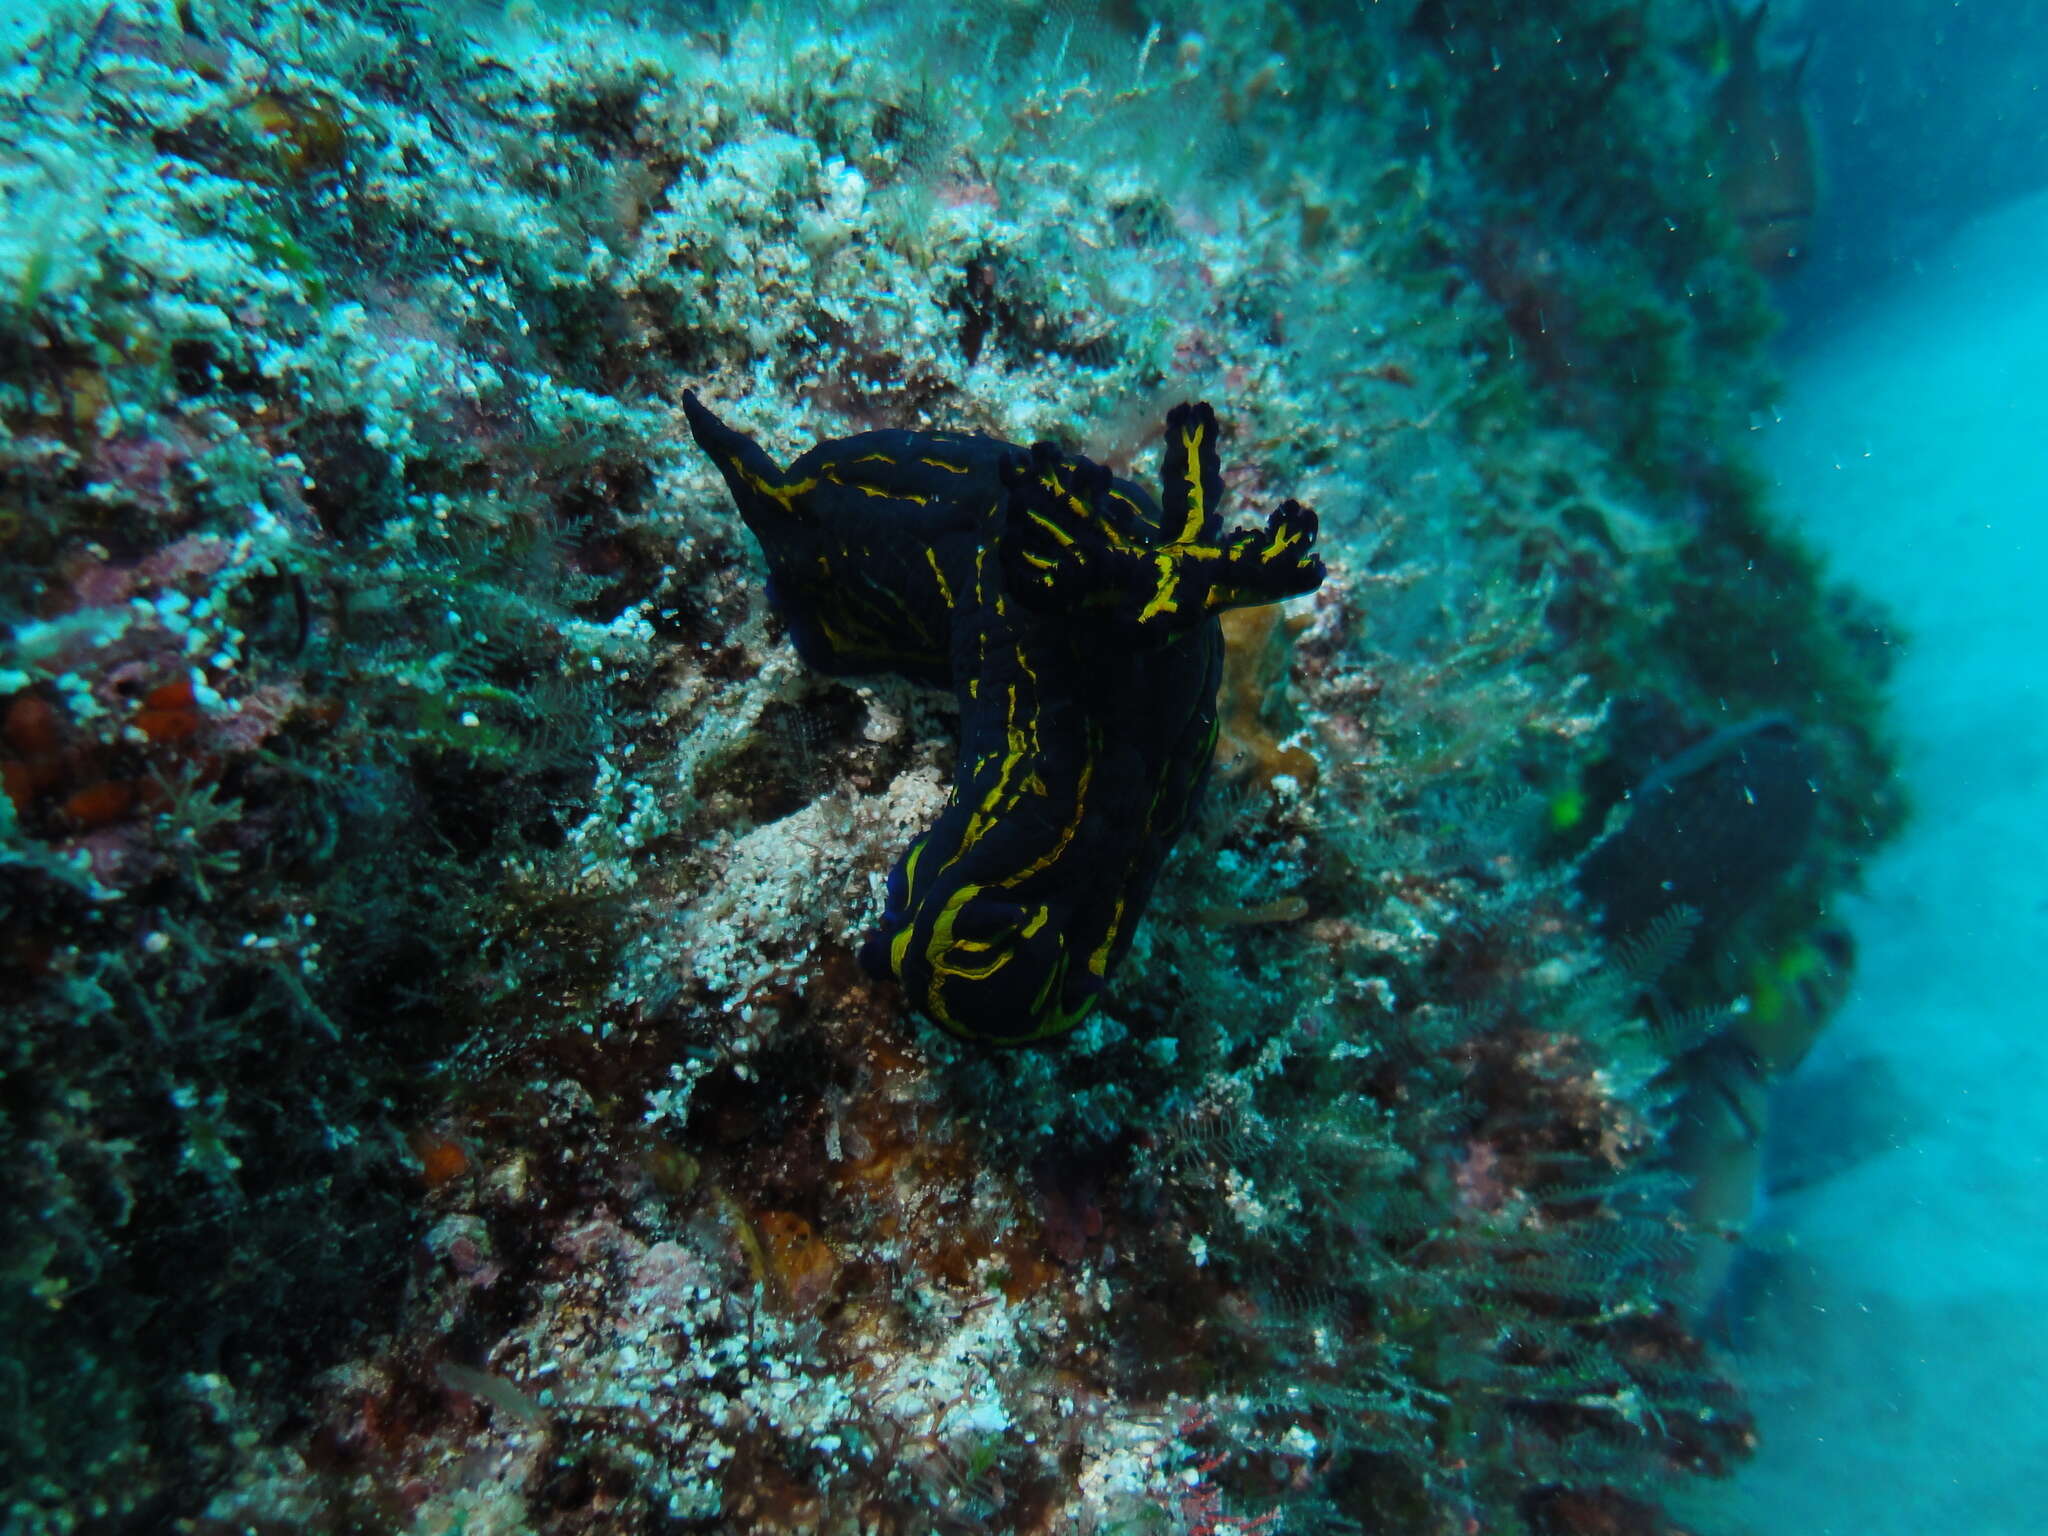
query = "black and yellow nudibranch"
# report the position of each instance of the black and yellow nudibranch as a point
(1075, 619)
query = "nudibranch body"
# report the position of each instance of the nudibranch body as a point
(1075, 620)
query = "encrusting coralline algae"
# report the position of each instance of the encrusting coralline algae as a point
(440, 1091)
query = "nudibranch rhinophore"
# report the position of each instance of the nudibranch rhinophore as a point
(1075, 619)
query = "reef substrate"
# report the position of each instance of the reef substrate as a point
(439, 1090)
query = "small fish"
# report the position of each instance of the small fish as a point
(1764, 159)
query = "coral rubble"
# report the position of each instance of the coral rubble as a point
(440, 1089)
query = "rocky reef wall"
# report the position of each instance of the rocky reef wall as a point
(438, 1090)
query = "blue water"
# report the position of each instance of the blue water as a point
(1894, 1333)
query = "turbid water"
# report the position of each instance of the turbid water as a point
(1893, 1325)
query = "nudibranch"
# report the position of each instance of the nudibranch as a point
(1075, 620)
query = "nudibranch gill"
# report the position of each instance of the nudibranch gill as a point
(1075, 620)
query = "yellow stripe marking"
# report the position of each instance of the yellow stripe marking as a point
(1059, 534)
(881, 495)
(1163, 591)
(784, 493)
(1191, 471)
(1098, 962)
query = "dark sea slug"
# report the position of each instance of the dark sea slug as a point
(1075, 620)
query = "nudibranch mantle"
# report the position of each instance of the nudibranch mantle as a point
(1075, 620)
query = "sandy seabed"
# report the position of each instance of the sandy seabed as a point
(1893, 1330)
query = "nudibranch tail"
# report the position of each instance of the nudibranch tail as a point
(1076, 621)
(759, 487)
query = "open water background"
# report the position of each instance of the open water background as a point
(1891, 1324)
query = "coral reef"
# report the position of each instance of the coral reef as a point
(440, 1089)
